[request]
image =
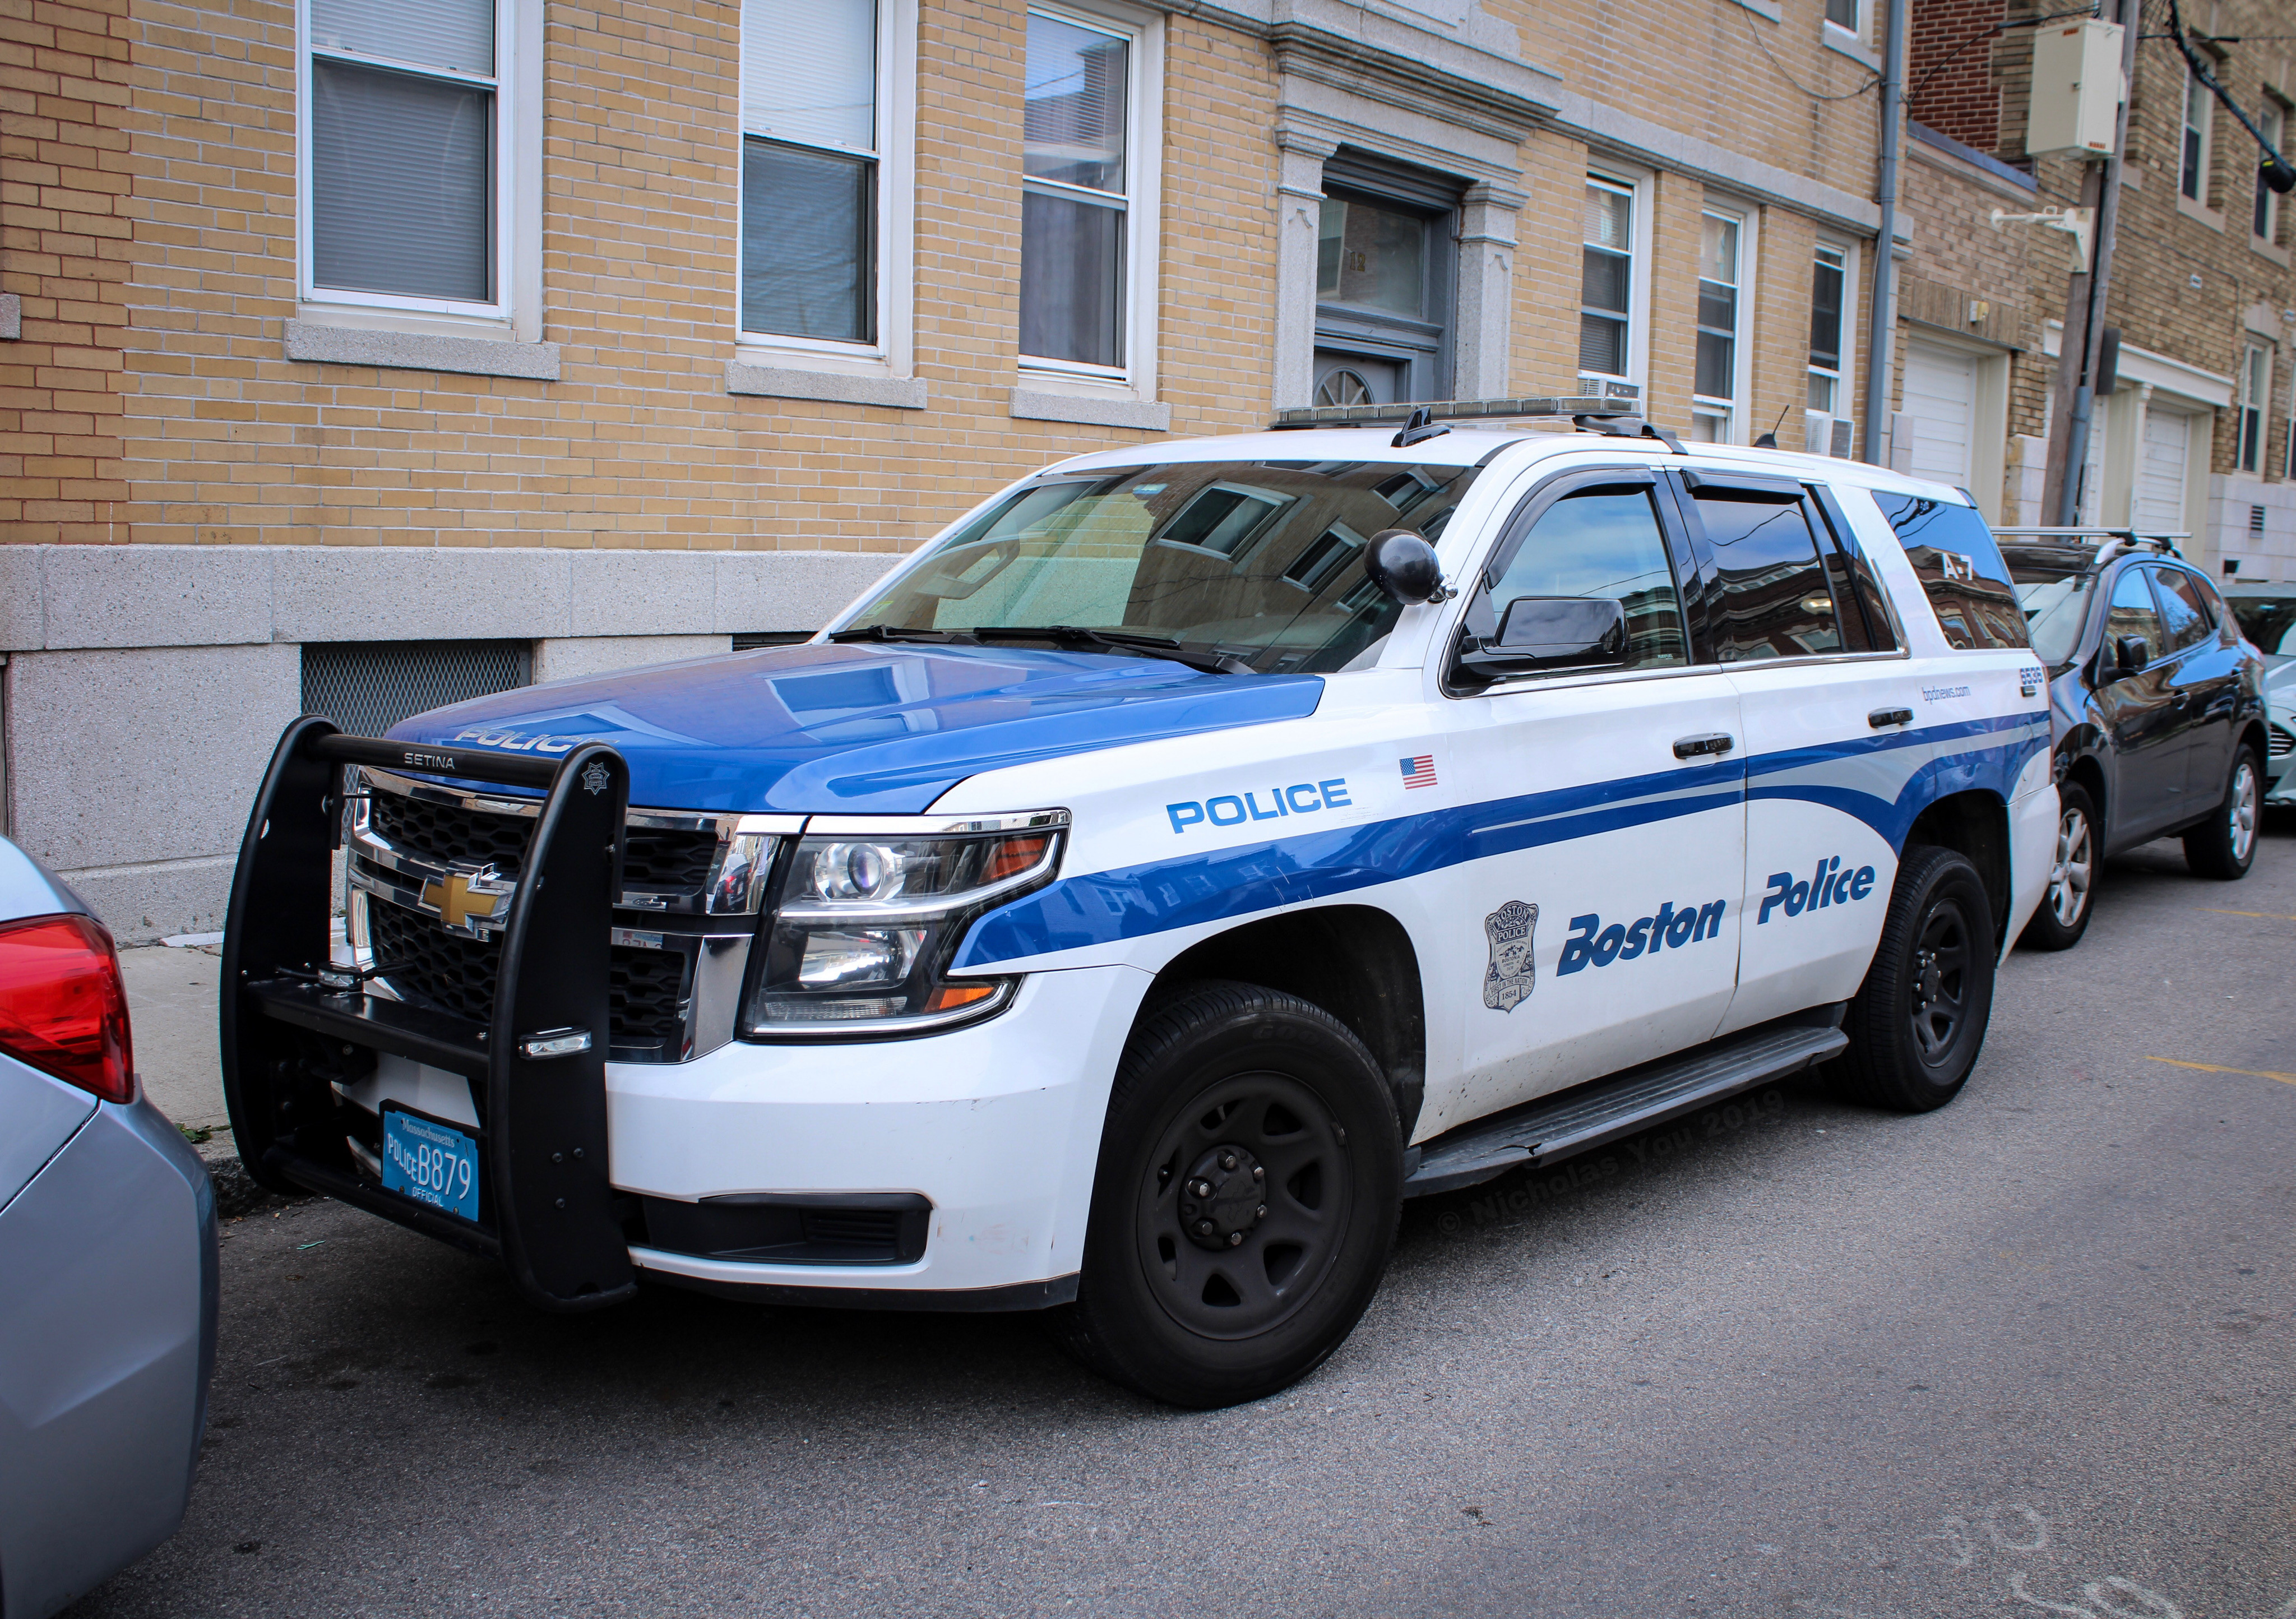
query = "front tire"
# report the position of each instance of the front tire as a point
(1249, 1181)
(1919, 1020)
(2064, 916)
(2224, 845)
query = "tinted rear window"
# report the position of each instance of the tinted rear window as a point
(1959, 565)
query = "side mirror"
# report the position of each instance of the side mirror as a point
(1555, 632)
(2129, 654)
(1403, 565)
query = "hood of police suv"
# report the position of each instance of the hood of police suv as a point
(849, 730)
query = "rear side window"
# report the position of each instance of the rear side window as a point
(2183, 609)
(1959, 565)
(1774, 601)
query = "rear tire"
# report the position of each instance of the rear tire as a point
(2064, 916)
(2224, 845)
(1918, 1022)
(1249, 1181)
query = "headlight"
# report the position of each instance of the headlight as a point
(869, 913)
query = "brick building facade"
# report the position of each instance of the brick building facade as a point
(2196, 436)
(259, 414)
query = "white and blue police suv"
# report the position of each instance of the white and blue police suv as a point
(1197, 850)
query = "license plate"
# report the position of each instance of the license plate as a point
(431, 1162)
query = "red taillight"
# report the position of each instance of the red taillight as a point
(62, 1007)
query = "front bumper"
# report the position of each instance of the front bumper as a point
(997, 1125)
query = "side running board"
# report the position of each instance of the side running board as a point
(1556, 1128)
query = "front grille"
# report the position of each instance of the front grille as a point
(2278, 743)
(431, 966)
(450, 834)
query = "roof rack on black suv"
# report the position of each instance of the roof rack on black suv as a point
(2108, 542)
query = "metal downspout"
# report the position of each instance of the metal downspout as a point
(1881, 310)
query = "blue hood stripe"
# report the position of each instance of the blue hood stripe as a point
(1133, 902)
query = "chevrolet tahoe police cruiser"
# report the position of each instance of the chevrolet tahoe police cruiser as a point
(1196, 850)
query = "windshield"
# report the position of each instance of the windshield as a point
(1253, 565)
(2055, 609)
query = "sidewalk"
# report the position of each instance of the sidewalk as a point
(171, 1014)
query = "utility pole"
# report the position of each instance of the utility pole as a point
(2072, 419)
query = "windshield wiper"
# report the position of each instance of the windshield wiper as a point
(895, 632)
(1115, 640)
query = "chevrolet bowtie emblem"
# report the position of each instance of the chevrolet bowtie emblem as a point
(454, 902)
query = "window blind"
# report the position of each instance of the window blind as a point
(809, 71)
(1073, 116)
(401, 169)
(453, 34)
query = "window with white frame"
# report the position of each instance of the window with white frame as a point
(2193, 156)
(406, 153)
(813, 139)
(2255, 404)
(1080, 179)
(2264, 221)
(1721, 247)
(1828, 297)
(1607, 280)
(1843, 14)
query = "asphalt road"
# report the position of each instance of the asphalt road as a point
(2029, 1355)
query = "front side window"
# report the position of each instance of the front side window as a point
(405, 143)
(1076, 190)
(1596, 545)
(810, 141)
(1254, 562)
(1962, 570)
(1716, 385)
(1776, 601)
(2192, 158)
(2255, 399)
(1607, 281)
(2131, 613)
(1828, 283)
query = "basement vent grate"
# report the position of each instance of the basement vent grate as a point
(368, 687)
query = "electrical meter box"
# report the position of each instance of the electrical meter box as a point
(2076, 90)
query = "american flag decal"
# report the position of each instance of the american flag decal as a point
(1419, 772)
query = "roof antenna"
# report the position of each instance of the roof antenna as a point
(1769, 440)
(1419, 426)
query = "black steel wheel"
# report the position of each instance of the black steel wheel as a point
(2064, 916)
(2224, 845)
(1250, 1177)
(1919, 1021)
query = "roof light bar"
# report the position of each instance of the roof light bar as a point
(1615, 400)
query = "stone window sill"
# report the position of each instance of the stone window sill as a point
(2268, 249)
(1768, 10)
(1090, 410)
(2200, 212)
(331, 345)
(749, 378)
(1839, 38)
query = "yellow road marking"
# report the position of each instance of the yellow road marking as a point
(2261, 916)
(2253, 1073)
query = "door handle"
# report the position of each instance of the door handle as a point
(1881, 718)
(1715, 743)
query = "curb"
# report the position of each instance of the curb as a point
(235, 1191)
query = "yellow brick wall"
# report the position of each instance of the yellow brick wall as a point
(64, 243)
(221, 439)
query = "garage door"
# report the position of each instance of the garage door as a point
(2162, 470)
(1942, 397)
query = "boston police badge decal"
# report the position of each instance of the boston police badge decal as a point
(1508, 982)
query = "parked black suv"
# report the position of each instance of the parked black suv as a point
(2156, 706)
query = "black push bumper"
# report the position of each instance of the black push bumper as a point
(292, 1023)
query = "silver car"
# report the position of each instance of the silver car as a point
(107, 1265)
(2268, 618)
